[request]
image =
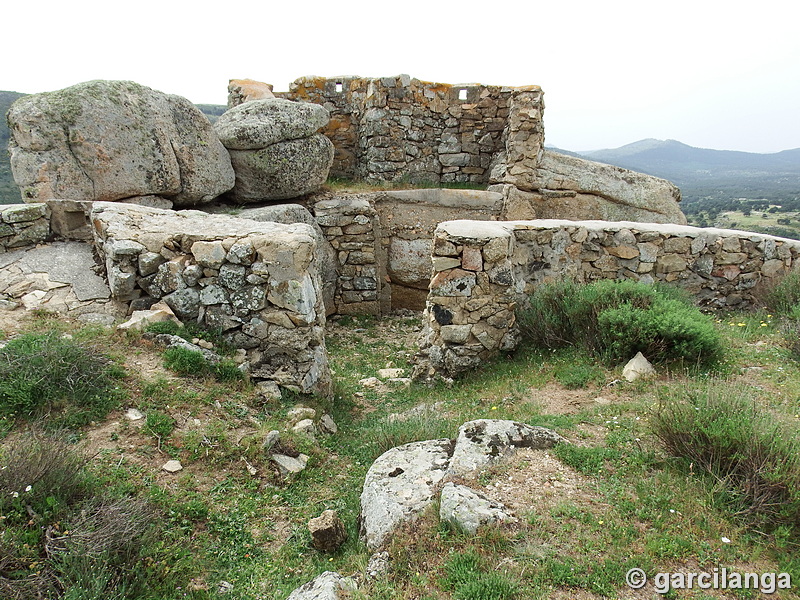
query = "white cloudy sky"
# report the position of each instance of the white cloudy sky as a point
(721, 74)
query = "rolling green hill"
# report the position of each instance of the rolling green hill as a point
(744, 190)
(711, 174)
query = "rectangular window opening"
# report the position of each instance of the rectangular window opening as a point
(338, 87)
(462, 94)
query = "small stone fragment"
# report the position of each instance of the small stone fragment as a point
(638, 368)
(390, 373)
(134, 414)
(172, 466)
(328, 532)
(288, 465)
(326, 425)
(268, 390)
(272, 438)
(299, 413)
(306, 427)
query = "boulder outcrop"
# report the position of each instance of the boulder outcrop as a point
(274, 148)
(324, 587)
(405, 480)
(245, 90)
(115, 140)
(399, 485)
(567, 187)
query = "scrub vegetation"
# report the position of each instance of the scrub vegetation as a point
(694, 470)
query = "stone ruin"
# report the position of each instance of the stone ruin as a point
(269, 276)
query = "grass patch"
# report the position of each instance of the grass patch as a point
(192, 363)
(49, 373)
(753, 458)
(784, 298)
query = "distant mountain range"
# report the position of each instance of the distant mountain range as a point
(709, 174)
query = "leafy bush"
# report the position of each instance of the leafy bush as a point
(617, 319)
(718, 430)
(43, 471)
(45, 372)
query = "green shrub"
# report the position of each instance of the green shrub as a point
(784, 298)
(60, 537)
(617, 319)
(186, 362)
(192, 363)
(42, 470)
(43, 373)
(717, 429)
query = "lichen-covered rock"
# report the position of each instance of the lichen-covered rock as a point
(486, 441)
(261, 123)
(282, 170)
(115, 140)
(593, 190)
(399, 485)
(275, 150)
(467, 510)
(324, 587)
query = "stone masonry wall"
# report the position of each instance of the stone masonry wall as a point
(400, 128)
(258, 282)
(351, 226)
(23, 225)
(485, 270)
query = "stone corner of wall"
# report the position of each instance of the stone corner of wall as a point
(24, 225)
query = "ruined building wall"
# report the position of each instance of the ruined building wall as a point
(404, 129)
(484, 270)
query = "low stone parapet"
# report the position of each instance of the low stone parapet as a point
(484, 270)
(255, 281)
(23, 225)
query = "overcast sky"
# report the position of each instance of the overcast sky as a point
(710, 73)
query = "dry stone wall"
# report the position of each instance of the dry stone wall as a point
(255, 281)
(401, 128)
(484, 271)
(350, 224)
(23, 225)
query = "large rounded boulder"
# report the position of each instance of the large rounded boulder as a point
(275, 149)
(115, 140)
